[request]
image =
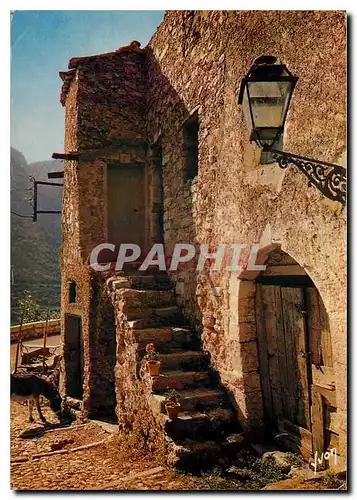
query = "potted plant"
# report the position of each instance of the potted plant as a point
(152, 359)
(172, 404)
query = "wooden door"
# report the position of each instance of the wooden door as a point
(284, 362)
(296, 366)
(126, 204)
(74, 359)
(323, 390)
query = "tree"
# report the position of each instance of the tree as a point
(30, 310)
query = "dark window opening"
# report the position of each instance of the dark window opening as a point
(191, 129)
(72, 292)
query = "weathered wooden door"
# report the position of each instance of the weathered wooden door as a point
(323, 390)
(74, 359)
(294, 345)
(126, 204)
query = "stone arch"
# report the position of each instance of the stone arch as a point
(284, 269)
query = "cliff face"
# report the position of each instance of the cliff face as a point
(34, 246)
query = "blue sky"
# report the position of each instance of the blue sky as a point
(42, 42)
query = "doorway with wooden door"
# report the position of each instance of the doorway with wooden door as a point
(126, 204)
(73, 356)
(295, 358)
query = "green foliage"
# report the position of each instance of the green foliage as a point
(31, 311)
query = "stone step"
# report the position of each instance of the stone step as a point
(202, 398)
(194, 399)
(160, 336)
(130, 299)
(154, 322)
(151, 282)
(183, 380)
(193, 456)
(168, 315)
(140, 282)
(141, 323)
(213, 424)
(184, 361)
(233, 442)
(151, 317)
(132, 269)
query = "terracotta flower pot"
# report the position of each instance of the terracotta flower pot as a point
(154, 368)
(172, 410)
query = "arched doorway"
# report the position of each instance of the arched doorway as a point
(295, 357)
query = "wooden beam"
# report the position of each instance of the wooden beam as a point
(65, 156)
(331, 421)
(55, 175)
(57, 452)
(328, 393)
(317, 422)
(49, 211)
(263, 354)
(100, 152)
(34, 215)
(45, 183)
(289, 281)
(323, 376)
(284, 271)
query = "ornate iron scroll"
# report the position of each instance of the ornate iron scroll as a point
(330, 179)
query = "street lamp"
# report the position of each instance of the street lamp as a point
(265, 95)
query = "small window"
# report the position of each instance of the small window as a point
(191, 128)
(72, 292)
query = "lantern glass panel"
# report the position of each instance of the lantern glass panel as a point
(269, 101)
(246, 109)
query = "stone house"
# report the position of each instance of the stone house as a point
(157, 151)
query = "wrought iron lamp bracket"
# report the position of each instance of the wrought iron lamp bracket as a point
(328, 178)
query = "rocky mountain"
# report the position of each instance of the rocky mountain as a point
(35, 246)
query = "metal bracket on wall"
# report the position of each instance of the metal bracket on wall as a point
(35, 193)
(330, 179)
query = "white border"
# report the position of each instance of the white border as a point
(5, 159)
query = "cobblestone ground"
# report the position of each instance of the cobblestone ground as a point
(112, 464)
(107, 466)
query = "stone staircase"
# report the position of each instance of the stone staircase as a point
(206, 429)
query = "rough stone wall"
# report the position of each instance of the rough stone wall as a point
(133, 387)
(199, 59)
(71, 117)
(92, 205)
(111, 100)
(102, 351)
(95, 310)
(104, 106)
(74, 271)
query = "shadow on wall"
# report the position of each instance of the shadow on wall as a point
(102, 352)
(274, 379)
(175, 130)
